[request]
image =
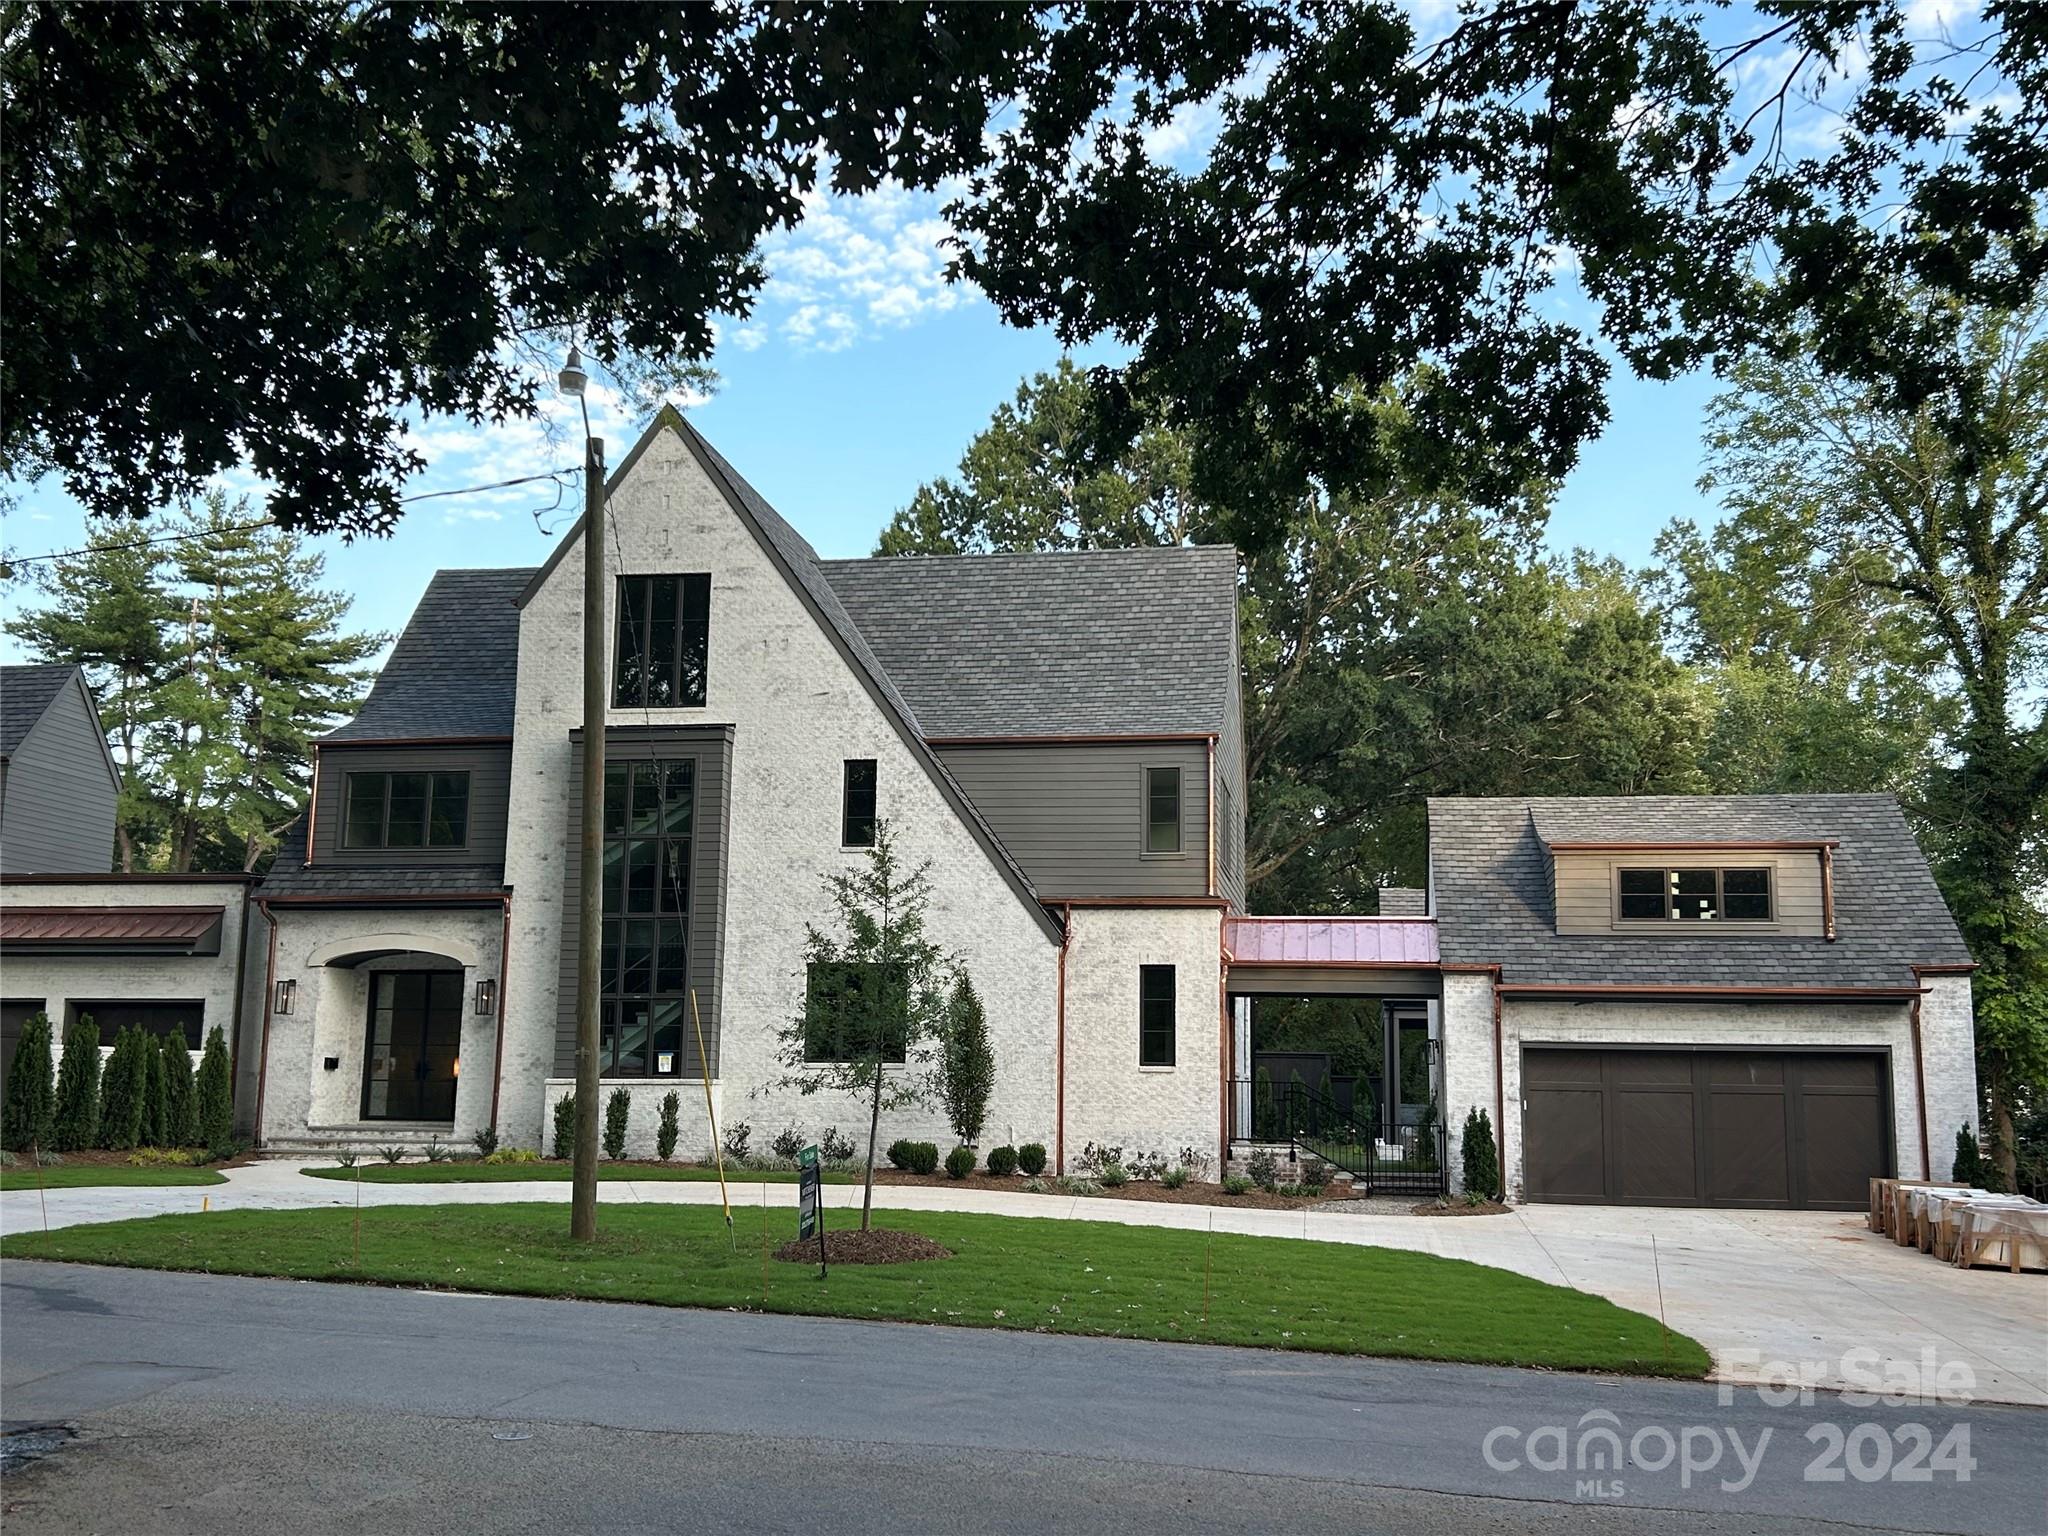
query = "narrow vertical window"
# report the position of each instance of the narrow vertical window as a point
(649, 809)
(857, 804)
(1155, 1015)
(1162, 810)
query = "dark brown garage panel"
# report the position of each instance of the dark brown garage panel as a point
(1614, 1126)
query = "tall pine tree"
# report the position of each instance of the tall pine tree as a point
(77, 1122)
(25, 1120)
(181, 1095)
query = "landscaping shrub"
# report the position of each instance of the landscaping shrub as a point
(1071, 1186)
(565, 1126)
(1236, 1184)
(31, 1101)
(1195, 1161)
(735, 1140)
(669, 1127)
(1094, 1159)
(1478, 1158)
(216, 1091)
(513, 1155)
(121, 1095)
(899, 1153)
(392, 1154)
(1146, 1166)
(166, 1157)
(76, 1122)
(967, 1063)
(181, 1093)
(1264, 1169)
(435, 1151)
(921, 1157)
(1972, 1167)
(1031, 1158)
(833, 1147)
(788, 1143)
(1315, 1176)
(1113, 1176)
(1174, 1178)
(1289, 1190)
(1034, 1186)
(616, 1110)
(348, 1158)
(1002, 1161)
(486, 1142)
(960, 1162)
(151, 1129)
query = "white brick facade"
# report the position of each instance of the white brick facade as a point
(798, 711)
(1111, 1099)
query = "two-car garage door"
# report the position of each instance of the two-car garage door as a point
(1615, 1126)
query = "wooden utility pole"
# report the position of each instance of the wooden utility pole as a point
(590, 945)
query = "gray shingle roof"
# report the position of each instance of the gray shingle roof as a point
(289, 876)
(456, 667)
(1490, 866)
(1109, 642)
(25, 692)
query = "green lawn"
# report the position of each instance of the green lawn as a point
(103, 1176)
(1007, 1272)
(549, 1173)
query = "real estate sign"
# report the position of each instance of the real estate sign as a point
(808, 1192)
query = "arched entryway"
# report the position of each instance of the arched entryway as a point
(395, 1031)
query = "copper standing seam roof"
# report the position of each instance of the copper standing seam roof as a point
(170, 928)
(1330, 940)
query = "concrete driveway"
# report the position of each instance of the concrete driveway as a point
(1775, 1296)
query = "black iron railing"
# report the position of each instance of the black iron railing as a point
(1405, 1158)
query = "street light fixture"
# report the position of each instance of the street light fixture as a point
(583, 1184)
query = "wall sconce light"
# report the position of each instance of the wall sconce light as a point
(287, 997)
(486, 997)
(455, 1067)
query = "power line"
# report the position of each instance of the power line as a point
(10, 561)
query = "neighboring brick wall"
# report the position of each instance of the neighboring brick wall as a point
(331, 1014)
(1948, 1041)
(798, 711)
(1110, 1098)
(1467, 1058)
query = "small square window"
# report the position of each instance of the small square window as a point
(857, 804)
(1155, 1015)
(1642, 894)
(1162, 810)
(1746, 895)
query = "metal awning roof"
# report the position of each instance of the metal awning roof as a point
(1357, 941)
(111, 930)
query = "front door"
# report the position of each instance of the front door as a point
(415, 1036)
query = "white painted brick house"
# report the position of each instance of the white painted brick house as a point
(1741, 1001)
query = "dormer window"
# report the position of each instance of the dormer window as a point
(1694, 895)
(664, 636)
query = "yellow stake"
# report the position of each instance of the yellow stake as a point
(711, 1115)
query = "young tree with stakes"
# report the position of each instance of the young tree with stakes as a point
(874, 999)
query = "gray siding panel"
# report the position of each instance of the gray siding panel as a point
(490, 794)
(711, 748)
(1073, 813)
(1233, 798)
(58, 814)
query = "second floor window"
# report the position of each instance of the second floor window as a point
(857, 804)
(406, 810)
(664, 642)
(1162, 810)
(1694, 895)
(649, 809)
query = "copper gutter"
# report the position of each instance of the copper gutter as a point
(1627, 989)
(111, 877)
(1337, 965)
(1059, 1093)
(1224, 1043)
(498, 1049)
(1758, 845)
(1500, 1097)
(418, 741)
(392, 899)
(1827, 892)
(269, 997)
(1136, 901)
(1074, 739)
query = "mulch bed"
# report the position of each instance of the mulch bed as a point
(1460, 1208)
(1190, 1193)
(853, 1246)
(101, 1158)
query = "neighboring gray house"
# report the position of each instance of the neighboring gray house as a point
(1659, 1000)
(58, 782)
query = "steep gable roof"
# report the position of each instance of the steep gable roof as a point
(793, 555)
(1491, 882)
(1129, 642)
(454, 670)
(26, 691)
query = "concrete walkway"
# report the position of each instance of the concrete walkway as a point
(1776, 1296)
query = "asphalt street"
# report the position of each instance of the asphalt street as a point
(207, 1404)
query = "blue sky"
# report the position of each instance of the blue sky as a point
(863, 373)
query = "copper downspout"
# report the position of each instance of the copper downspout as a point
(1500, 1092)
(1827, 892)
(269, 997)
(498, 1050)
(1920, 1082)
(241, 991)
(1211, 838)
(1224, 1044)
(1059, 1092)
